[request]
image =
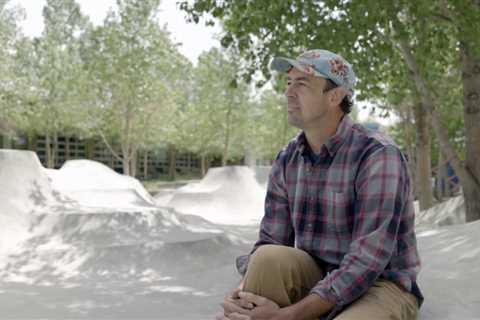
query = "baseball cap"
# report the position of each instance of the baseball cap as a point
(320, 63)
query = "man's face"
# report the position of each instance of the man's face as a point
(307, 103)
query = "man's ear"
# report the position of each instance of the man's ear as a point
(337, 96)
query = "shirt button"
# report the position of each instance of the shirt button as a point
(309, 225)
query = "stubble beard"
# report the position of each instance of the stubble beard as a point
(294, 121)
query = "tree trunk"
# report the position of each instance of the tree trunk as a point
(125, 165)
(145, 164)
(32, 141)
(468, 181)
(67, 148)
(471, 107)
(442, 178)
(227, 137)
(90, 149)
(133, 162)
(203, 164)
(126, 142)
(55, 150)
(48, 152)
(424, 168)
(407, 124)
(448, 191)
(172, 162)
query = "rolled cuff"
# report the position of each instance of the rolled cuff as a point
(326, 293)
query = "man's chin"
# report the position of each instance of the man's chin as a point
(297, 123)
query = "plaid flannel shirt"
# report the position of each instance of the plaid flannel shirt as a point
(350, 208)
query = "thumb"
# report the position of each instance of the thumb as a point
(253, 298)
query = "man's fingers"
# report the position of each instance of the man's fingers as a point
(234, 294)
(240, 302)
(253, 298)
(238, 316)
(231, 307)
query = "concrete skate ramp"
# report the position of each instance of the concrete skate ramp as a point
(450, 212)
(25, 184)
(67, 248)
(93, 184)
(226, 195)
(262, 173)
(94, 259)
(25, 191)
(145, 262)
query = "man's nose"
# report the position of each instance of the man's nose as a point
(289, 92)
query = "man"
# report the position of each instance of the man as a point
(337, 239)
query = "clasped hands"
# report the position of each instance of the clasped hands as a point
(241, 305)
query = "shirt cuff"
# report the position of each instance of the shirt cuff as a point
(327, 293)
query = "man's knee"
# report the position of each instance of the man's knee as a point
(282, 274)
(269, 256)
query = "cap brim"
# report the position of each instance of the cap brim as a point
(281, 64)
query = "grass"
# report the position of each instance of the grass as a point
(153, 186)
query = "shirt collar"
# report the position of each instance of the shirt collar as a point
(333, 143)
(342, 133)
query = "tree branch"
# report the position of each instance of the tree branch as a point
(109, 147)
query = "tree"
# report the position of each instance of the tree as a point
(55, 72)
(9, 112)
(269, 129)
(132, 67)
(217, 115)
(432, 33)
(401, 33)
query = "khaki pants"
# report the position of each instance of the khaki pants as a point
(286, 275)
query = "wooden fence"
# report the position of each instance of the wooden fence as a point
(69, 148)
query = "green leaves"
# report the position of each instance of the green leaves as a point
(136, 71)
(216, 117)
(9, 112)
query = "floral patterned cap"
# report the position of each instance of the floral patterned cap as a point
(320, 63)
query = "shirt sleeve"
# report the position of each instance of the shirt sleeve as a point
(276, 227)
(382, 190)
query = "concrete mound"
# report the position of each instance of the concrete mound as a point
(26, 191)
(92, 183)
(226, 195)
(90, 243)
(127, 259)
(67, 248)
(450, 212)
(262, 173)
(25, 184)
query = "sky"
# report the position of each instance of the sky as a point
(195, 38)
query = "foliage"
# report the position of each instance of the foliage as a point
(9, 95)
(133, 68)
(269, 129)
(217, 116)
